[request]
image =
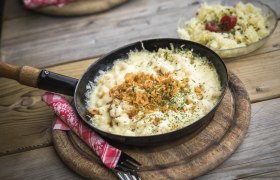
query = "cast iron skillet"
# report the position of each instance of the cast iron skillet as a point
(46, 80)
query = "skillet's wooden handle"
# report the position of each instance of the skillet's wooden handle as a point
(25, 75)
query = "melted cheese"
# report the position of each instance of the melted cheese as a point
(192, 102)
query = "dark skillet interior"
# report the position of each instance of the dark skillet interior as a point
(150, 45)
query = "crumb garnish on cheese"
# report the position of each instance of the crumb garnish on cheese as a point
(153, 92)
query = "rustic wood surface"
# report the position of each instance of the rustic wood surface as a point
(25, 75)
(38, 40)
(26, 150)
(186, 158)
(79, 8)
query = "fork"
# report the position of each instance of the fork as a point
(126, 168)
(124, 175)
(127, 163)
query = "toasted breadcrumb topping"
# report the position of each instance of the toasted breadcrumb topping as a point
(149, 93)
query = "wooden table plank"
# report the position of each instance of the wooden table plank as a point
(82, 37)
(260, 74)
(249, 161)
(41, 163)
(40, 40)
(25, 121)
(259, 154)
(14, 9)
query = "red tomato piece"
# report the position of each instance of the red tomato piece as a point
(210, 26)
(228, 22)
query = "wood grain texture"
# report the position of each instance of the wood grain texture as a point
(78, 8)
(14, 8)
(260, 74)
(25, 75)
(256, 158)
(41, 41)
(23, 118)
(37, 164)
(185, 158)
(9, 70)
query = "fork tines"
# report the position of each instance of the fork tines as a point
(127, 163)
(126, 175)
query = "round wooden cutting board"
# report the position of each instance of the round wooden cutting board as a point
(80, 7)
(184, 158)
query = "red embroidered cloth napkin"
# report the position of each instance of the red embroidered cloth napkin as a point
(67, 119)
(40, 3)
